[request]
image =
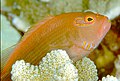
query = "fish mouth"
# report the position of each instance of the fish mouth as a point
(88, 46)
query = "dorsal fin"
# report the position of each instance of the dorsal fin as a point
(39, 23)
(35, 26)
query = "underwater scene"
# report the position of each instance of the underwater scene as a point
(60, 40)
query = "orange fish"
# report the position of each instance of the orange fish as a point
(77, 33)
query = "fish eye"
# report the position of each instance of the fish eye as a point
(89, 19)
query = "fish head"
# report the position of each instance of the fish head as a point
(91, 29)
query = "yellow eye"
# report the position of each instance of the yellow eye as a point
(89, 20)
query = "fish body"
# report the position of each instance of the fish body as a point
(77, 33)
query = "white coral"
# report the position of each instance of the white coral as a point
(22, 71)
(109, 78)
(86, 70)
(55, 66)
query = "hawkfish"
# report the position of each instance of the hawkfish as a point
(78, 33)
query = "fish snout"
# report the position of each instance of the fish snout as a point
(106, 24)
(105, 27)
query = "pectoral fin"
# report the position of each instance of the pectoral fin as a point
(76, 52)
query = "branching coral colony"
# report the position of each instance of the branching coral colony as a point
(57, 66)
